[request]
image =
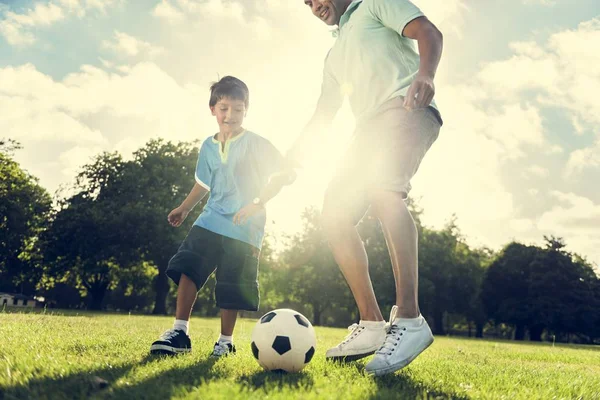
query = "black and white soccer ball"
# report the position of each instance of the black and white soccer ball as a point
(283, 340)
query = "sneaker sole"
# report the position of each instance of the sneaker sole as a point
(399, 365)
(349, 358)
(161, 349)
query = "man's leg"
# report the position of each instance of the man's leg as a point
(401, 237)
(349, 252)
(409, 333)
(350, 255)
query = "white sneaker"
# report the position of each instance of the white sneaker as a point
(406, 339)
(362, 341)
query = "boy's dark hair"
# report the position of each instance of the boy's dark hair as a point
(229, 86)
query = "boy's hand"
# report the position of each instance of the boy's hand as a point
(177, 216)
(248, 211)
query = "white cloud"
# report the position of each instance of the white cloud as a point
(577, 219)
(74, 158)
(168, 12)
(540, 2)
(124, 109)
(581, 159)
(126, 45)
(15, 27)
(521, 225)
(536, 171)
(19, 28)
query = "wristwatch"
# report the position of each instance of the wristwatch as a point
(257, 201)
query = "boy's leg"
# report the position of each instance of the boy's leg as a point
(228, 319)
(187, 292)
(224, 345)
(189, 268)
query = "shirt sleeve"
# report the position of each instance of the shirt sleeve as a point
(395, 14)
(270, 160)
(203, 172)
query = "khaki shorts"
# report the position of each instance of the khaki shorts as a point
(385, 154)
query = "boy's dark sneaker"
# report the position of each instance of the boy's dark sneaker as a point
(172, 342)
(223, 349)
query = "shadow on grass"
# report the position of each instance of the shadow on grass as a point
(81, 385)
(98, 383)
(401, 386)
(165, 383)
(269, 380)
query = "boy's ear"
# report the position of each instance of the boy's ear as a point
(212, 109)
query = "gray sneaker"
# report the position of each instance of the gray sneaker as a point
(403, 343)
(362, 341)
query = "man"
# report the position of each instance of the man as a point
(390, 89)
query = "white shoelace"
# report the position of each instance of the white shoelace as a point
(392, 339)
(355, 330)
(168, 335)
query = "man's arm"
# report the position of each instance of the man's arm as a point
(328, 104)
(430, 41)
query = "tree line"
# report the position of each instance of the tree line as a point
(102, 243)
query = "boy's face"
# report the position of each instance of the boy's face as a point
(230, 114)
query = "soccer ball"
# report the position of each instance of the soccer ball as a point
(283, 340)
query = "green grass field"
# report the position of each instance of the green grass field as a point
(72, 356)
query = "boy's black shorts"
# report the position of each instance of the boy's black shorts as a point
(236, 263)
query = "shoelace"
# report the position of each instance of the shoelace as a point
(168, 335)
(354, 330)
(392, 339)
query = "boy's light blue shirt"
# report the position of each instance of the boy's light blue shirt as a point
(371, 62)
(235, 175)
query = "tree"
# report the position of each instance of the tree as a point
(85, 245)
(537, 289)
(157, 180)
(450, 272)
(24, 205)
(505, 289)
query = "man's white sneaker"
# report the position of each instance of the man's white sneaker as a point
(362, 341)
(406, 339)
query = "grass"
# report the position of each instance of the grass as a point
(105, 356)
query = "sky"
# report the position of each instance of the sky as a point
(518, 156)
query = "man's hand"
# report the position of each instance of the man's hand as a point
(177, 216)
(248, 211)
(420, 93)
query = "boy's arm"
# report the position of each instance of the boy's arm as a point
(178, 215)
(271, 189)
(196, 194)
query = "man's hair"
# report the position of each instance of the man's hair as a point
(229, 86)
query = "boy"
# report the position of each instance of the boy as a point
(234, 166)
